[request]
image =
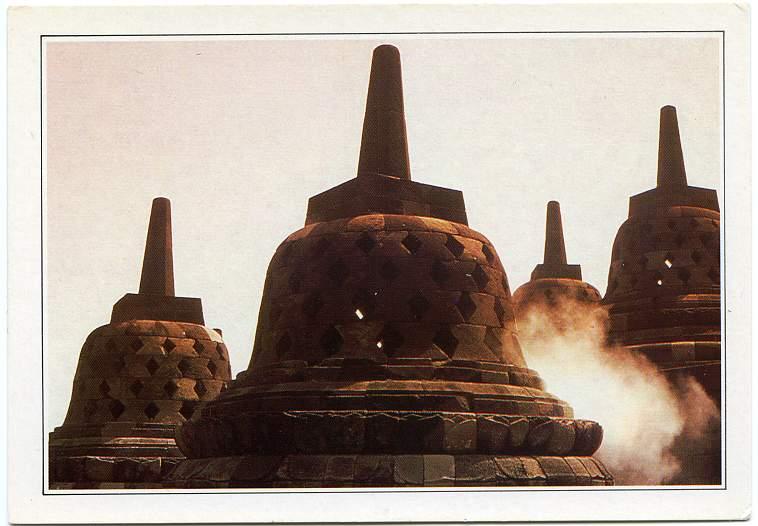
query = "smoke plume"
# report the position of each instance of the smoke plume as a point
(643, 414)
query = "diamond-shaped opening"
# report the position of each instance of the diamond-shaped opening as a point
(488, 253)
(200, 388)
(412, 243)
(338, 273)
(169, 345)
(671, 224)
(331, 341)
(466, 306)
(446, 341)
(390, 339)
(548, 293)
(136, 387)
(151, 410)
(320, 248)
(499, 311)
(184, 366)
(187, 409)
(136, 344)
(198, 346)
(418, 305)
(366, 243)
(212, 367)
(492, 341)
(170, 388)
(696, 256)
(440, 273)
(389, 271)
(684, 275)
(110, 345)
(120, 362)
(152, 366)
(104, 388)
(454, 246)
(714, 275)
(283, 345)
(116, 408)
(295, 281)
(221, 351)
(312, 305)
(480, 277)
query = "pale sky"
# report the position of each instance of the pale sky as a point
(239, 133)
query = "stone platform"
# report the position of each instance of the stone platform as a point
(304, 471)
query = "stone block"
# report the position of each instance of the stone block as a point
(340, 468)
(558, 472)
(409, 469)
(374, 469)
(492, 434)
(460, 434)
(439, 470)
(475, 470)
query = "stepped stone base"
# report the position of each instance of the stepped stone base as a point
(90, 472)
(303, 471)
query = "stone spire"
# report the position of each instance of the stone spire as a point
(555, 249)
(156, 299)
(671, 174)
(554, 263)
(158, 264)
(384, 145)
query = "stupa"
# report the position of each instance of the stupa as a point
(663, 290)
(554, 283)
(137, 378)
(386, 352)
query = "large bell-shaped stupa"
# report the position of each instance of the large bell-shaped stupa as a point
(137, 378)
(663, 293)
(386, 351)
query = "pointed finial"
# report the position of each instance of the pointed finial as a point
(555, 249)
(158, 264)
(384, 145)
(671, 174)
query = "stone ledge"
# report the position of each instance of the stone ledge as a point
(298, 471)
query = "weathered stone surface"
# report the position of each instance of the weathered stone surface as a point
(138, 377)
(386, 331)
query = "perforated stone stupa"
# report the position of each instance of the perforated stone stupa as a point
(137, 378)
(664, 284)
(386, 351)
(554, 283)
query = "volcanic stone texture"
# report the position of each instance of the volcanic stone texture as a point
(386, 351)
(135, 381)
(663, 290)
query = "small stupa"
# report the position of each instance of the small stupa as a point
(386, 351)
(554, 283)
(663, 291)
(137, 378)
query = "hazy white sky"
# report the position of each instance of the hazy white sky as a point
(239, 133)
